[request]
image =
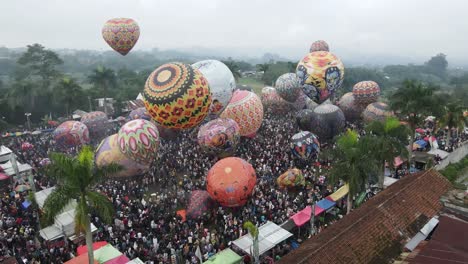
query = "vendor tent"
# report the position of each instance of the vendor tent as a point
(64, 224)
(226, 256)
(4, 154)
(82, 259)
(96, 245)
(135, 261)
(302, 217)
(269, 235)
(325, 204)
(106, 253)
(339, 194)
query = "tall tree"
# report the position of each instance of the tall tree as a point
(413, 102)
(453, 117)
(76, 178)
(104, 79)
(353, 162)
(69, 93)
(389, 140)
(234, 68)
(253, 231)
(437, 65)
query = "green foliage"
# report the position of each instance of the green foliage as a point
(358, 74)
(273, 71)
(234, 68)
(252, 82)
(253, 230)
(400, 73)
(455, 170)
(40, 61)
(437, 66)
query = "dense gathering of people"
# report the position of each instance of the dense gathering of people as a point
(146, 224)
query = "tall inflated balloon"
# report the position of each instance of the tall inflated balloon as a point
(139, 113)
(108, 151)
(71, 134)
(305, 145)
(177, 96)
(139, 140)
(319, 45)
(291, 178)
(321, 74)
(288, 87)
(231, 181)
(219, 136)
(303, 119)
(376, 112)
(247, 110)
(200, 204)
(327, 122)
(121, 34)
(366, 92)
(97, 123)
(222, 84)
(350, 108)
(273, 103)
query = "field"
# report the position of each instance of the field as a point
(256, 85)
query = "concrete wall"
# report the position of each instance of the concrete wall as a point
(454, 157)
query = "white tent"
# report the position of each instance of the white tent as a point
(269, 235)
(135, 261)
(4, 154)
(42, 195)
(64, 224)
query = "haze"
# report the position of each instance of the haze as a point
(410, 29)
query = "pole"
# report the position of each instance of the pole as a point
(29, 123)
(90, 106)
(312, 219)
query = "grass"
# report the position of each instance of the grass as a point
(453, 171)
(256, 85)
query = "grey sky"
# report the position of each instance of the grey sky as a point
(353, 28)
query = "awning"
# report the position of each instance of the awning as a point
(226, 256)
(302, 217)
(325, 204)
(122, 259)
(4, 177)
(107, 253)
(269, 236)
(83, 259)
(96, 245)
(135, 261)
(389, 181)
(340, 193)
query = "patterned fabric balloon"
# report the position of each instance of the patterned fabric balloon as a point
(44, 162)
(177, 96)
(121, 34)
(327, 122)
(247, 110)
(321, 74)
(291, 178)
(219, 136)
(319, 45)
(273, 103)
(305, 145)
(231, 181)
(376, 112)
(97, 123)
(288, 87)
(303, 119)
(108, 151)
(139, 113)
(139, 140)
(200, 204)
(310, 104)
(366, 92)
(350, 108)
(222, 84)
(71, 134)
(300, 102)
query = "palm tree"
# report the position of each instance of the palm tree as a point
(253, 231)
(453, 117)
(389, 139)
(103, 78)
(353, 162)
(413, 102)
(76, 178)
(68, 92)
(234, 68)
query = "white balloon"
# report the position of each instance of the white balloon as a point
(222, 84)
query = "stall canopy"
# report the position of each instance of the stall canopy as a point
(269, 235)
(64, 224)
(339, 194)
(325, 204)
(83, 259)
(96, 245)
(135, 261)
(107, 253)
(41, 196)
(4, 177)
(302, 217)
(226, 256)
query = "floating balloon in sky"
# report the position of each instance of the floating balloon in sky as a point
(121, 34)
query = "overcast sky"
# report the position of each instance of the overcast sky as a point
(407, 28)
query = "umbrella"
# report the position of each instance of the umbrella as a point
(4, 177)
(22, 188)
(419, 144)
(96, 245)
(37, 132)
(420, 130)
(430, 118)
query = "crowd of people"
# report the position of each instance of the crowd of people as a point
(146, 224)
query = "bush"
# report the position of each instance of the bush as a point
(454, 170)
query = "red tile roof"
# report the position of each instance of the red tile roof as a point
(376, 232)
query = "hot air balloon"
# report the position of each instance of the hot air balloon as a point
(108, 151)
(139, 113)
(319, 45)
(327, 122)
(291, 178)
(247, 110)
(177, 96)
(71, 134)
(200, 204)
(273, 102)
(231, 181)
(219, 136)
(321, 74)
(288, 87)
(366, 92)
(222, 84)
(121, 34)
(139, 140)
(350, 108)
(97, 124)
(305, 145)
(376, 112)
(304, 119)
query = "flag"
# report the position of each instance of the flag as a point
(198, 254)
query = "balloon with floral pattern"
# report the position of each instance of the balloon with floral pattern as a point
(139, 140)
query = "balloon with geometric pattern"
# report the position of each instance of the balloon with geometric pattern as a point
(273, 103)
(219, 137)
(327, 121)
(377, 111)
(247, 110)
(366, 92)
(177, 96)
(97, 124)
(321, 74)
(291, 178)
(350, 108)
(108, 151)
(121, 34)
(231, 181)
(200, 204)
(288, 87)
(139, 140)
(319, 45)
(305, 145)
(71, 134)
(139, 113)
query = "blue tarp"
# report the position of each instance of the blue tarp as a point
(421, 143)
(325, 204)
(26, 204)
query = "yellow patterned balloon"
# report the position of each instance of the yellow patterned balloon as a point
(177, 95)
(121, 34)
(321, 73)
